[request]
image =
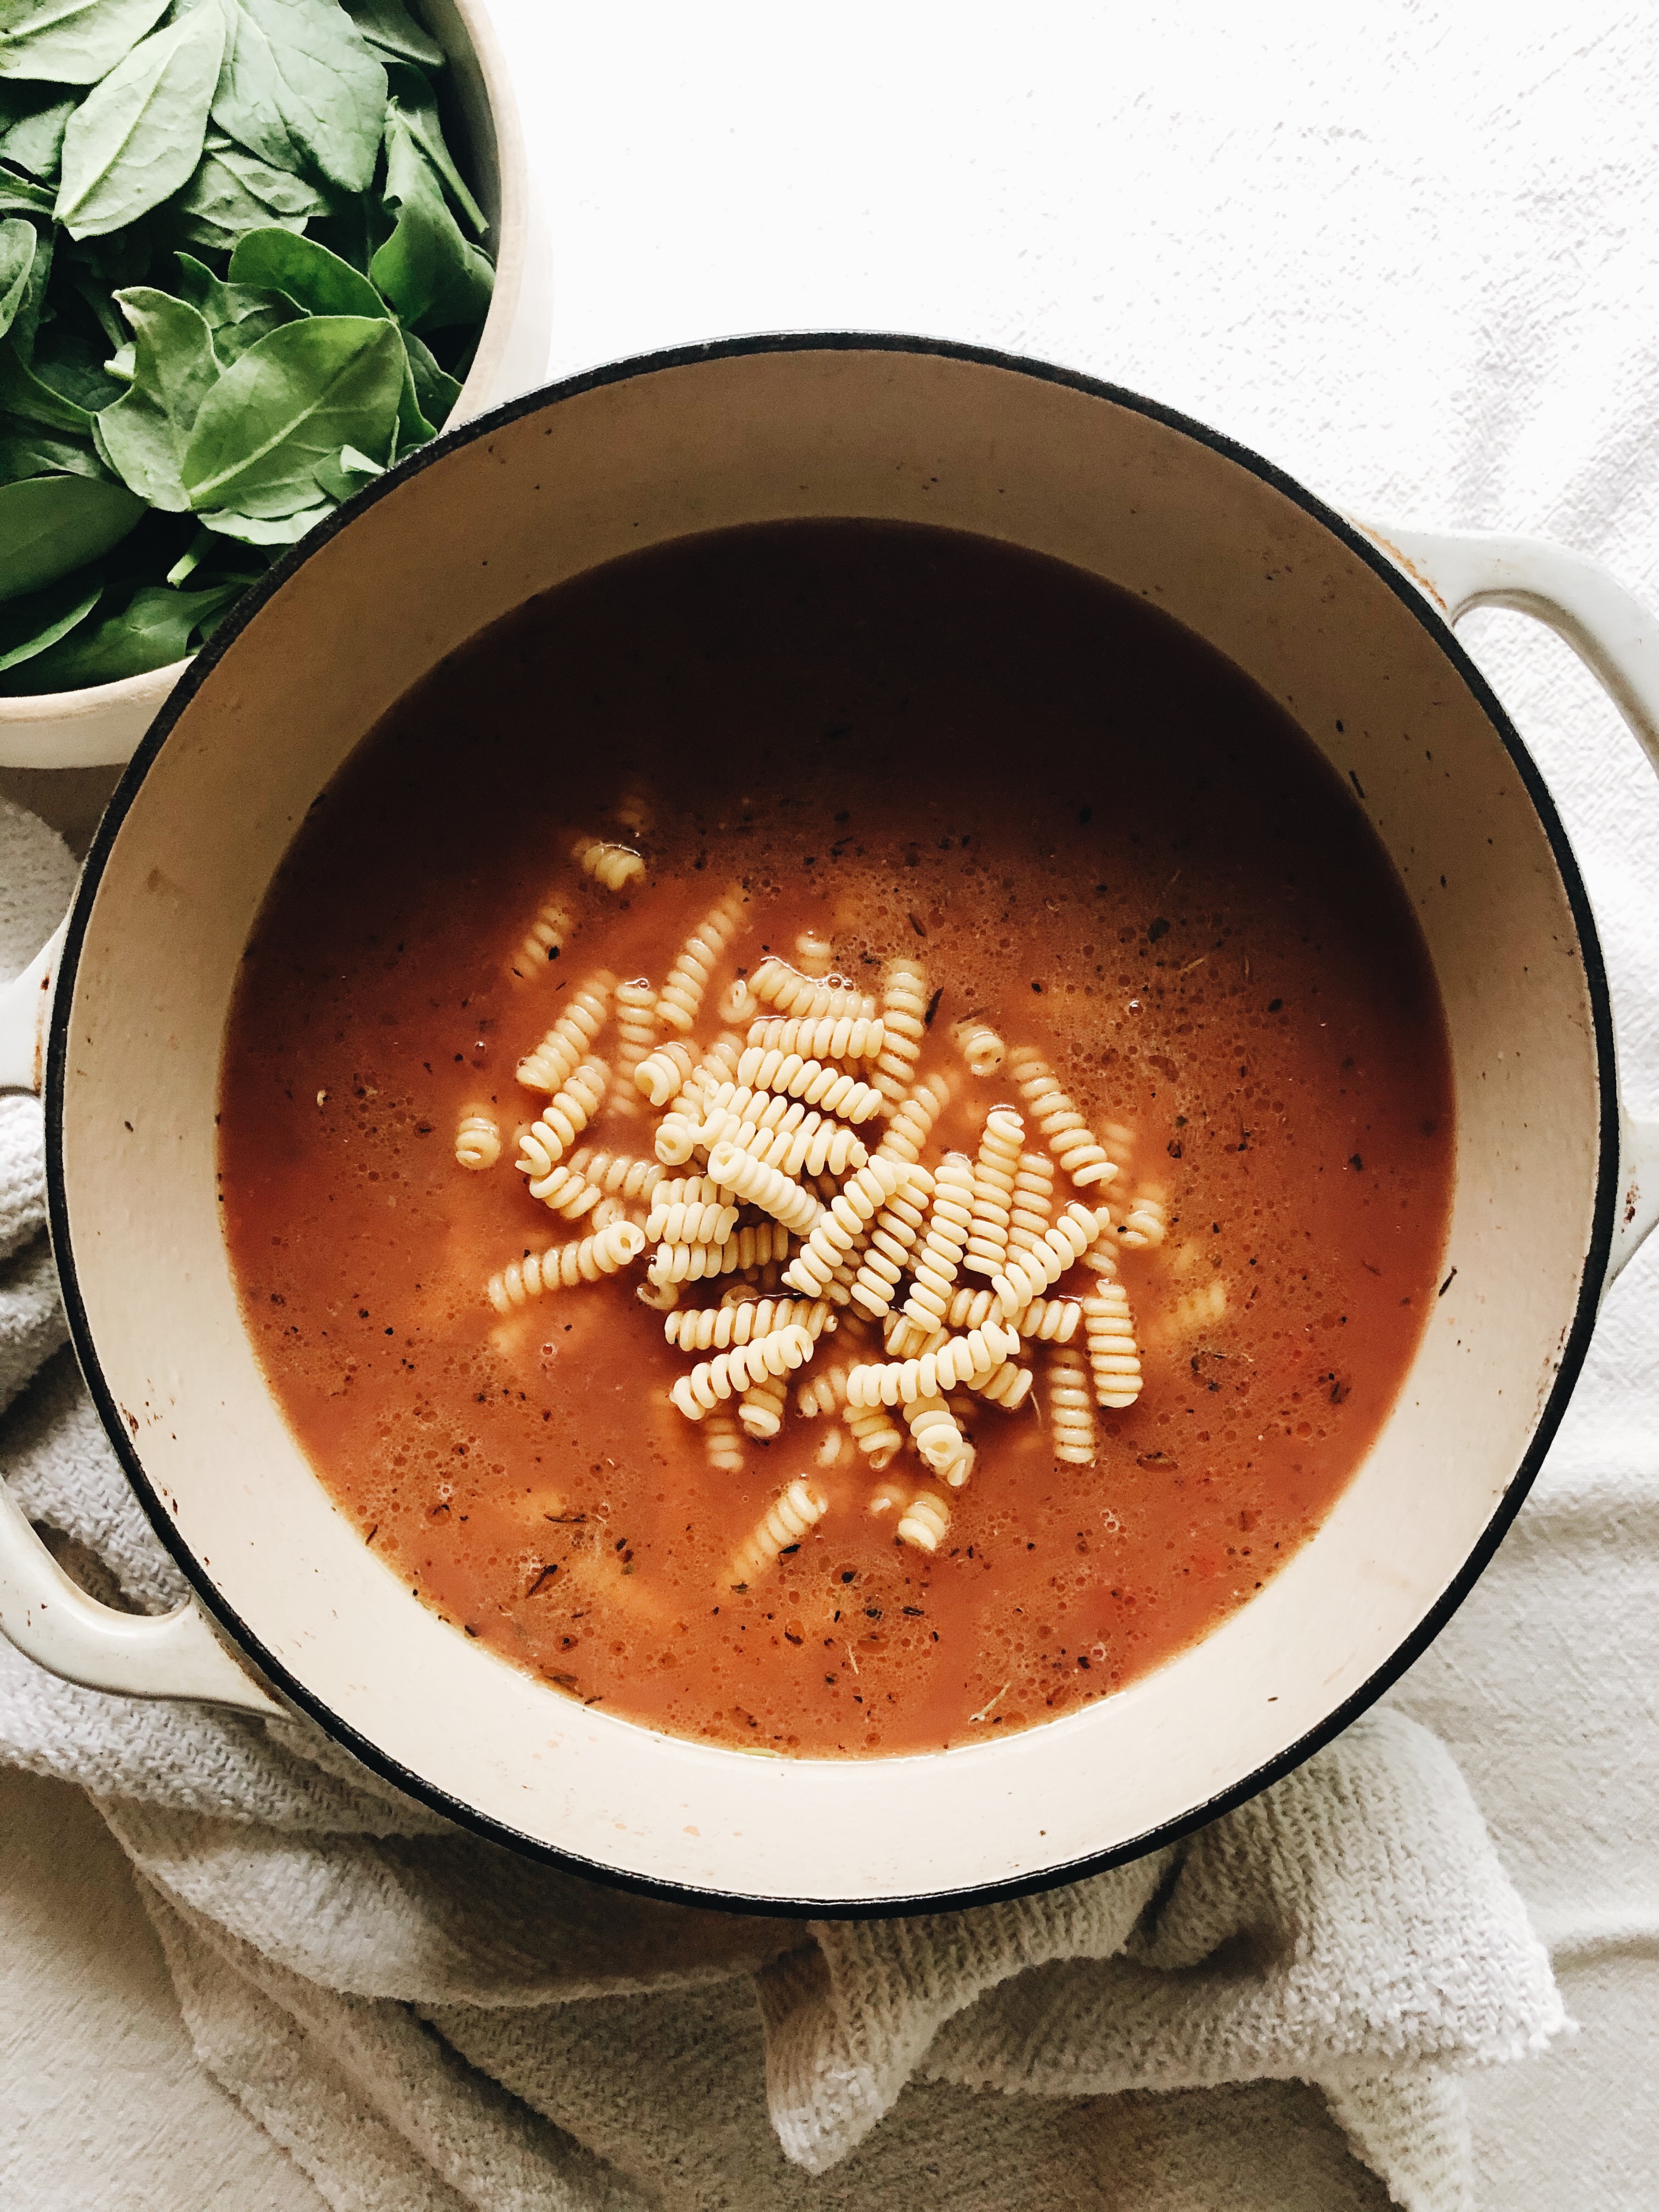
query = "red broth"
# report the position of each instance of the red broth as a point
(1089, 828)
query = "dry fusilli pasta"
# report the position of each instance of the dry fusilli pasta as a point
(945, 1450)
(1144, 1226)
(1068, 1136)
(892, 1233)
(815, 953)
(636, 1032)
(924, 1521)
(760, 1408)
(769, 1189)
(829, 1089)
(793, 1515)
(858, 1203)
(717, 1328)
(1071, 1412)
(1114, 1357)
(616, 1174)
(913, 1122)
(750, 1246)
(1057, 1248)
(776, 984)
(676, 1132)
(542, 943)
(904, 1017)
(729, 1373)
(564, 1117)
(478, 1140)
(664, 1072)
(563, 1048)
(1033, 1203)
(814, 1146)
(979, 1044)
(940, 1256)
(957, 1361)
(615, 866)
(688, 979)
(846, 1036)
(565, 1264)
(691, 1220)
(994, 1191)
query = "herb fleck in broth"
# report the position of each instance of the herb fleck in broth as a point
(1095, 835)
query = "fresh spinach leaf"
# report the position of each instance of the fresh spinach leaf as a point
(435, 392)
(132, 142)
(245, 99)
(154, 628)
(227, 196)
(341, 474)
(266, 530)
(238, 315)
(16, 261)
(30, 452)
(31, 127)
(72, 366)
(299, 394)
(19, 197)
(323, 80)
(72, 41)
(49, 524)
(425, 269)
(312, 277)
(29, 625)
(388, 24)
(144, 434)
(26, 320)
(419, 103)
(23, 394)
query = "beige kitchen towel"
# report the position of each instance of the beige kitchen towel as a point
(426, 2021)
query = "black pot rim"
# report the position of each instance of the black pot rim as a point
(1573, 1351)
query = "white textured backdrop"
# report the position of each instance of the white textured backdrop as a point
(1409, 252)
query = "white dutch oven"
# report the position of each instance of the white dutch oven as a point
(99, 725)
(1554, 1188)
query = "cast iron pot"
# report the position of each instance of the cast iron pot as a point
(1351, 632)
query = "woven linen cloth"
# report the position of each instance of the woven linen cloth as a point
(425, 2021)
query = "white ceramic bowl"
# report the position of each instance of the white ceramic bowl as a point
(1552, 1191)
(100, 726)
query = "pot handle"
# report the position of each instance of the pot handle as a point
(1617, 641)
(42, 1612)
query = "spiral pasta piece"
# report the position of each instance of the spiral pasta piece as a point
(1032, 1203)
(616, 1174)
(940, 1256)
(815, 1145)
(979, 1044)
(845, 1037)
(750, 1246)
(560, 1050)
(776, 984)
(564, 1117)
(603, 1252)
(722, 1445)
(615, 866)
(660, 1297)
(937, 1435)
(958, 1360)
(855, 1205)
(717, 1328)
(688, 979)
(769, 1189)
(1067, 1133)
(1050, 1321)
(1114, 1355)
(677, 1132)
(1055, 1250)
(729, 1373)
(664, 1072)
(1008, 1386)
(1071, 1410)
(636, 1033)
(825, 1390)
(791, 1517)
(994, 1191)
(1146, 1224)
(762, 1406)
(913, 1122)
(542, 941)
(695, 1220)
(924, 1522)
(567, 1192)
(873, 1431)
(904, 1022)
(477, 1141)
(829, 1089)
(815, 953)
(892, 1234)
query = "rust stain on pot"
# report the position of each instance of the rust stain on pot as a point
(1404, 561)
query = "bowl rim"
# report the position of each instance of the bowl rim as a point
(1574, 1347)
(152, 685)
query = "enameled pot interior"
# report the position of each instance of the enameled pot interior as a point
(547, 490)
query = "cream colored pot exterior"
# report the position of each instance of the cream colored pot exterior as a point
(637, 456)
(102, 725)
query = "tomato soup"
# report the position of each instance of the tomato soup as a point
(1108, 870)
